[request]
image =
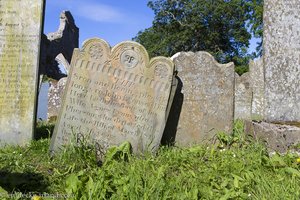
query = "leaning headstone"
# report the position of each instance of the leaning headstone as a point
(20, 31)
(282, 60)
(243, 96)
(256, 70)
(208, 96)
(115, 95)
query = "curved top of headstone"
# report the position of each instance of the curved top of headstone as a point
(128, 55)
(204, 56)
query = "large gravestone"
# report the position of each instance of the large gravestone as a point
(243, 96)
(256, 69)
(282, 60)
(20, 30)
(115, 95)
(208, 97)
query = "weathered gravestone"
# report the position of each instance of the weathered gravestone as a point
(20, 31)
(282, 60)
(55, 95)
(56, 91)
(243, 96)
(115, 95)
(257, 82)
(208, 94)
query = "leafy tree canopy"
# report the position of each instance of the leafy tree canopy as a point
(220, 27)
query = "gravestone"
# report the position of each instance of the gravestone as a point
(55, 95)
(56, 90)
(208, 97)
(20, 31)
(114, 95)
(282, 60)
(243, 96)
(256, 69)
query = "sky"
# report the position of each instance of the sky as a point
(112, 20)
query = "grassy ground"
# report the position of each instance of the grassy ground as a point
(236, 168)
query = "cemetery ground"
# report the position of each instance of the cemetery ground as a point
(235, 167)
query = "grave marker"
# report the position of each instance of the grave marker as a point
(256, 69)
(20, 31)
(282, 60)
(208, 94)
(115, 95)
(243, 96)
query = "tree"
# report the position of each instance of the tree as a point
(220, 27)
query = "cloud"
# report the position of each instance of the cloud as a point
(100, 13)
(90, 10)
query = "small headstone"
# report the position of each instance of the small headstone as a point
(115, 95)
(20, 32)
(56, 90)
(55, 95)
(243, 96)
(208, 95)
(256, 69)
(282, 60)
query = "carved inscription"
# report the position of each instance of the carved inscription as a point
(20, 26)
(112, 102)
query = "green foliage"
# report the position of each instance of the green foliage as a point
(218, 27)
(237, 168)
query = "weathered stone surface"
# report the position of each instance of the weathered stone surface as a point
(114, 96)
(282, 60)
(20, 32)
(256, 70)
(243, 96)
(279, 138)
(55, 95)
(208, 97)
(63, 41)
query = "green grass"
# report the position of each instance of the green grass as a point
(235, 168)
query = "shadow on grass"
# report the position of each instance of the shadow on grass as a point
(23, 182)
(43, 130)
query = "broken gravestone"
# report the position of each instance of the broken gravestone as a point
(243, 96)
(20, 32)
(208, 95)
(282, 60)
(114, 95)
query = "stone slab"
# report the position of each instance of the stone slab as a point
(115, 95)
(20, 32)
(256, 69)
(208, 97)
(282, 60)
(243, 96)
(278, 137)
(55, 96)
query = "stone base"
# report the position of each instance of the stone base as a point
(278, 137)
